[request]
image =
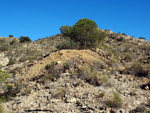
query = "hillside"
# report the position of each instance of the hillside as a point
(113, 77)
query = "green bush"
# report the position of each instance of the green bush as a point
(59, 93)
(24, 39)
(89, 74)
(116, 101)
(142, 38)
(54, 70)
(3, 76)
(3, 80)
(11, 36)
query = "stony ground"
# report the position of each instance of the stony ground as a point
(35, 92)
(69, 93)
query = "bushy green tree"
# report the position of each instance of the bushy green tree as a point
(24, 39)
(85, 32)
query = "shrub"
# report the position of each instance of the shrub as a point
(11, 61)
(128, 57)
(142, 38)
(139, 109)
(48, 77)
(59, 93)
(116, 100)
(104, 77)
(67, 66)
(123, 34)
(24, 39)
(22, 59)
(68, 44)
(137, 69)
(54, 69)
(15, 70)
(26, 92)
(3, 76)
(10, 36)
(120, 39)
(89, 74)
(145, 47)
(12, 42)
(3, 80)
(79, 82)
(101, 95)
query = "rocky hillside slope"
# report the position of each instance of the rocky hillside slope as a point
(114, 77)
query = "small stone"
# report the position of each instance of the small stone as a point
(146, 88)
(59, 62)
(18, 94)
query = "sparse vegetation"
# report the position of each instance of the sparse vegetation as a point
(79, 82)
(116, 101)
(1, 109)
(3, 76)
(104, 77)
(137, 69)
(48, 76)
(59, 93)
(101, 95)
(68, 44)
(128, 57)
(53, 70)
(89, 74)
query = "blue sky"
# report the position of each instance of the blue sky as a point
(41, 18)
